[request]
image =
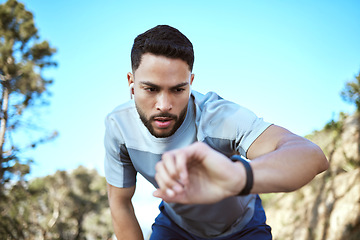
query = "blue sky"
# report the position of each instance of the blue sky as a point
(285, 60)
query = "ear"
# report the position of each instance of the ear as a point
(192, 78)
(131, 82)
(130, 78)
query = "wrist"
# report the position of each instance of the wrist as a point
(246, 173)
(239, 177)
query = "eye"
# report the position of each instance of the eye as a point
(179, 90)
(150, 89)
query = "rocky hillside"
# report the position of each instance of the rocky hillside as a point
(329, 207)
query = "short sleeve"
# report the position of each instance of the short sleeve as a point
(119, 170)
(250, 127)
(227, 126)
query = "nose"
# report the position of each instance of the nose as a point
(163, 103)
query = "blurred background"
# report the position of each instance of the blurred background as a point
(287, 61)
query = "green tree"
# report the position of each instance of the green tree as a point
(65, 205)
(351, 93)
(23, 57)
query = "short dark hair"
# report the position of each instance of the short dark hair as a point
(162, 40)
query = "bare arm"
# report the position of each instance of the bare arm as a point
(125, 224)
(281, 162)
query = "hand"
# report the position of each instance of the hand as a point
(197, 174)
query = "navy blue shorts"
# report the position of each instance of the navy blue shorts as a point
(165, 229)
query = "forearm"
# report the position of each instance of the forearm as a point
(292, 165)
(198, 174)
(126, 226)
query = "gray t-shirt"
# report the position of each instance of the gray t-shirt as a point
(223, 125)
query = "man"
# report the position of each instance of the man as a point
(182, 141)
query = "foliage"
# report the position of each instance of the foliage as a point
(23, 57)
(336, 126)
(64, 205)
(351, 93)
(60, 206)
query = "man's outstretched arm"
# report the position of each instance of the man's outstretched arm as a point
(281, 162)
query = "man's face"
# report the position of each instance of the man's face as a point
(161, 93)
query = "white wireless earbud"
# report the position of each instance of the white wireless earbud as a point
(131, 86)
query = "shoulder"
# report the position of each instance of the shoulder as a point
(119, 119)
(122, 108)
(202, 100)
(220, 118)
(214, 106)
(121, 113)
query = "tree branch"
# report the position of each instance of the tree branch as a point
(4, 116)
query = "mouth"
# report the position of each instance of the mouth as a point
(163, 122)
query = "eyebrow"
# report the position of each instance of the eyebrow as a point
(157, 86)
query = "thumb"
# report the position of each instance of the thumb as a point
(157, 193)
(160, 194)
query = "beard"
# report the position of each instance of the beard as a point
(147, 121)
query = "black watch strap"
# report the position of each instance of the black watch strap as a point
(249, 175)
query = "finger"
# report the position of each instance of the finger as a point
(189, 156)
(198, 151)
(169, 162)
(178, 198)
(160, 194)
(182, 159)
(166, 184)
(162, 178)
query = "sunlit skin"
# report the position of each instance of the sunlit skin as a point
(161, 93)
